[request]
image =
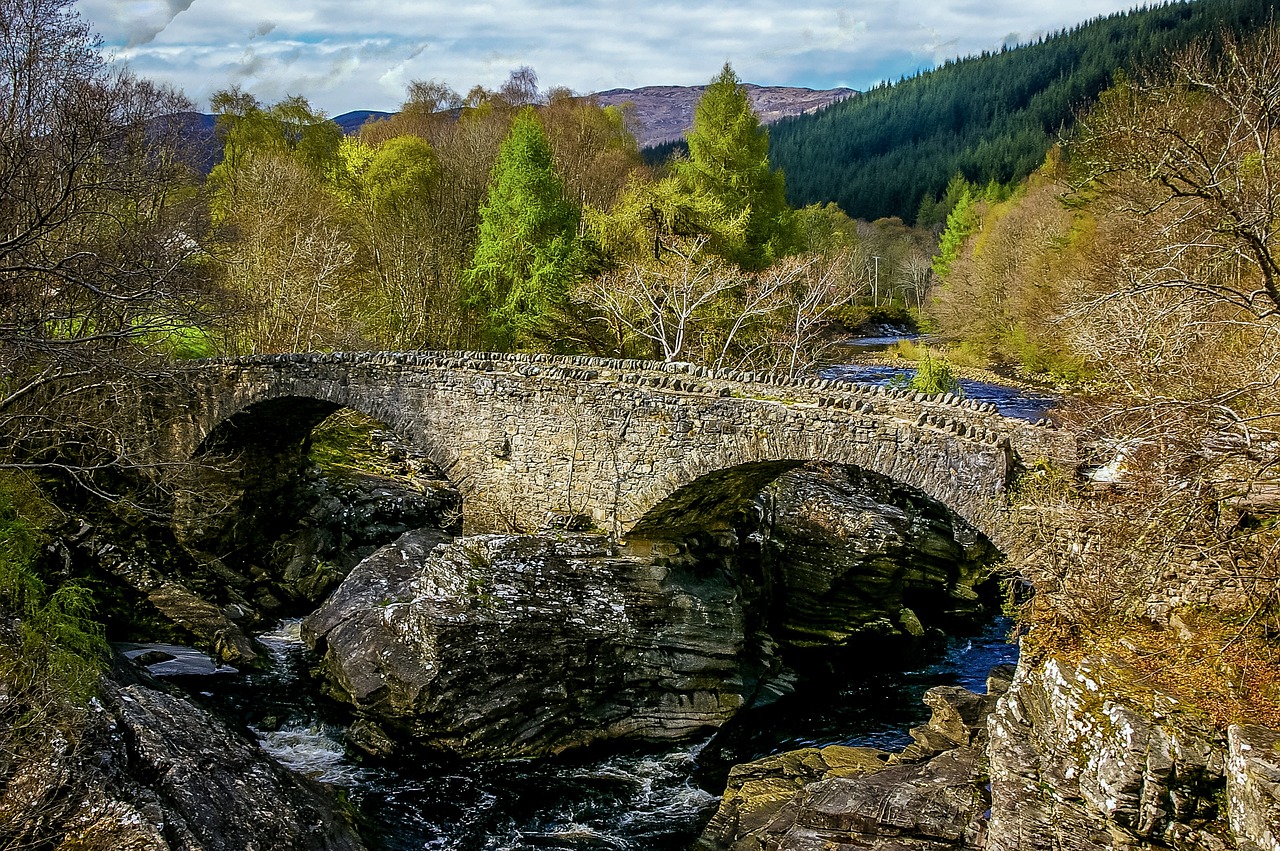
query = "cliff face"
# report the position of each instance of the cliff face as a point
(1068, 758)
(1084, 757)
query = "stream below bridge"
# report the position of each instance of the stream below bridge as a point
(655, 798)
(636, 798)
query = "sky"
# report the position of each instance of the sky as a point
(361, 54)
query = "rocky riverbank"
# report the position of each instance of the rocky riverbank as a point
(1058, 757)
(525, 645)
(143, 767)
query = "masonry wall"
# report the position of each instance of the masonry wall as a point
(531, 438)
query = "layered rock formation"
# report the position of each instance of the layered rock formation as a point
(523, 645)
(145, 769)
(930, 796)
(855, 555)
(1068, 758)
(1084, 757)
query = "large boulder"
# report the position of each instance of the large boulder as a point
(855, 554)
(521, 645)
(757, 791)
(858, 802)
(213, 788)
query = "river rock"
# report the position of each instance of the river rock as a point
(519, 645)
(958, 718)
(152, 575)
(141, 769)
(348, 516)
(855, 554)
(212, 788)
(931, 805)
(757, 791)
(931, 795)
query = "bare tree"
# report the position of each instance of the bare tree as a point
(97, 240)
(664, 303)
(1178, 313)
(1197, 144)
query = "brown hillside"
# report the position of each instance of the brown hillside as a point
(664, 113)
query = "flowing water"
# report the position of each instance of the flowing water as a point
(1011, 402)
(631, 799)
(637, 799)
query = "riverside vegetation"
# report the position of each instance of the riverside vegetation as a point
(1135, 266)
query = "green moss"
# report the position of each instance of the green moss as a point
(345, 441)
(60, 649)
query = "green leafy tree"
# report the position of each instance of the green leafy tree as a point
(659, 218)
(729, 162)
(528, 253)
(282, 236)
(289, 128)
(961, 222)
(394, 200)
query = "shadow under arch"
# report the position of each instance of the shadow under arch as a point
(836, 554)
(712, 501)
(248, 465)
(716, 499)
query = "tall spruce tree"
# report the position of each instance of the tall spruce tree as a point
(528, 253)
(729, 161)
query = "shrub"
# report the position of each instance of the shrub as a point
(61, 648)
(934, 375)
(858, 317)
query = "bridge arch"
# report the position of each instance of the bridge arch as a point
(968, 482)
(528, 438)
(278, 416)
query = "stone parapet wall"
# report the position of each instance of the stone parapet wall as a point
(529, 438)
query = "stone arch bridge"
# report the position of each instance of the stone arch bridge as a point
(641, 448)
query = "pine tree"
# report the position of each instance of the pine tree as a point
(729, 161)
(528, 253)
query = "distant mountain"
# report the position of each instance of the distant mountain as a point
(351, 122)
(665, 113)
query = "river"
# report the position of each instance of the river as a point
(638, 799)
(633, 799)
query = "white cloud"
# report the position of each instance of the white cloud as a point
(349, 54)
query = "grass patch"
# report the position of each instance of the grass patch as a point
(345, 441)
(1224, 669)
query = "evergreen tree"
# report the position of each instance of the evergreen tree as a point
(729, 162)
(961, 221)
(528, 253)
(989, 117)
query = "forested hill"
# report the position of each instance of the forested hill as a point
(990, 117)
